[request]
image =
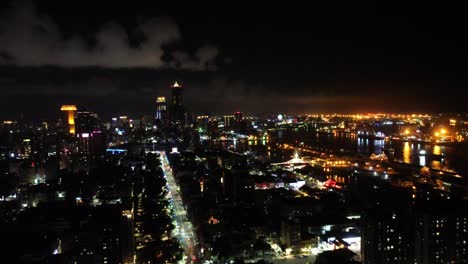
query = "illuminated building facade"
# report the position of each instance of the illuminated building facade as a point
(213, 128)
(429, 231)
(386, 236)
(123, 121)
(240, 124)
(70, 110)
(441, 233)
(161, 108)
(86, 122)
(177, 106)
(202, 122)
(189, 119)
(228, 121)
(90, 136)
(238, 117)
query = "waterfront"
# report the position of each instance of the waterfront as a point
(439, 157)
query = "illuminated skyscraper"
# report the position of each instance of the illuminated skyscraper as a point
(240, 124)
(189, 119)
(90, 136)
(70, 111)
(387, 236)
(228, 121)
(202, 122)
(161, 109)
(238, 117)
(177, 107)
(86, 122)
(441, 233)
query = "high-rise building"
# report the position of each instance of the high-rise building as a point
(441, 233)
(409, 226)
(387, 236)
(228, 121)
(238, 117)
(386, 227)
(70, 111)
(123, 121)
(177, 106)
(213, 128)
(86, 122)
(189, 119)
(202, 122)
(162, 118)
(161, 108)
(90, 136)
(240, 123)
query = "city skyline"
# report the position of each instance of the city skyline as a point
(346, 58)
(208, 132)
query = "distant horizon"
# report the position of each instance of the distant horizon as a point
(108, 117)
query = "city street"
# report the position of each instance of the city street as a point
(184, 229)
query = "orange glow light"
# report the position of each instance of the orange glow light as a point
(68, 108)
(71, 109)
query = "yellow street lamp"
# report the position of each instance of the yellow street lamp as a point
(443, 131)
(436, 134)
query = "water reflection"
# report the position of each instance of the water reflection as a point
(436, 150)
(362, 145)
(378, 145)
(406, 153)
(435, 164)
(422, 160)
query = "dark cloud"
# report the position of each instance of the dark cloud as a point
(92, 86)
(203, 59)
(28, 38)
(271, 62)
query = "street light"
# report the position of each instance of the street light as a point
(443, 131)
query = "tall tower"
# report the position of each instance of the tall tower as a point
(161, 108)
(238, 117)
(90, 137)
(70, 110)
(86, 122)
(177, 107)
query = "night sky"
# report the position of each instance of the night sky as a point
(115, 58)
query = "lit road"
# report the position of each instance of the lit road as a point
(184, 229)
